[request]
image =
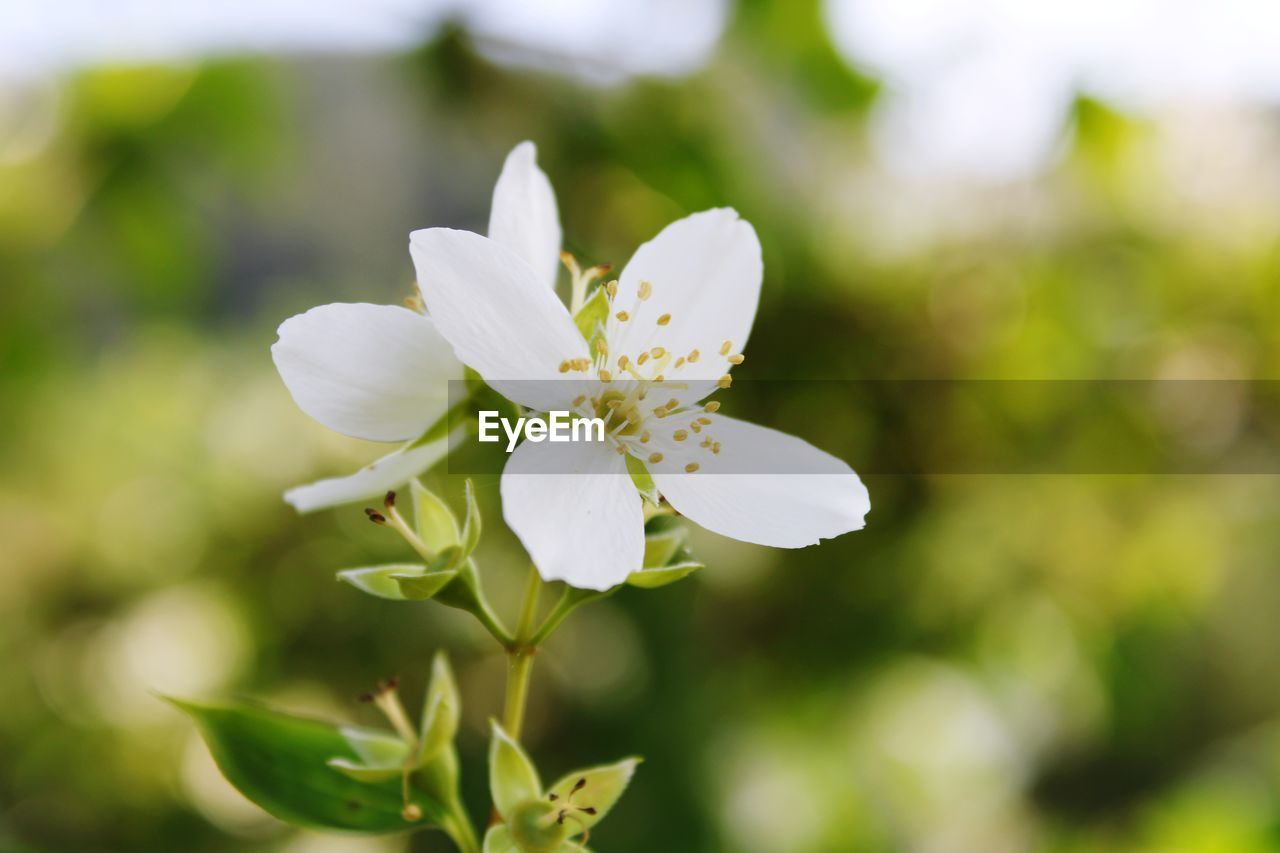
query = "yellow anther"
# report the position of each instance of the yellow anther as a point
(644, 437)
(657, 352)
(660, 412)
(606, 376)
(725, 347)
(705, 421)
(706, 442)
(564, 366)
(737, 359)
(579, 400)
(633, 416)
(646, 290)
(623, 361)
(715, 448)
(725, 381)
(712, 407)
(660, 377)
(644, 356)
(611, 288)
(655, 458)
(679, 362)
(691, 467)
(680, 435)
(664, 319)
(693, 356)
(695, 426)
(673, 403)
(613, 404)
(623, 316)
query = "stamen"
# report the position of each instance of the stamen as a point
(657, 352)
(725, 347)
(706, 442)
(579, 400)
(660, 411)
(737, 359)
(695, 426)
(644, 437)
(712, 407)
(623, 316)
(644, 356)
(661, 377)
(613, 404)
(646, 290)
(680, 435)
(602, 346)
(705, 421)
(664, 319)
(673, 403)
(623, 361)
(715, 448)
(655, 458)
(725, 381)
(606, 376)
(375, 516)
(612, 288)
(564, 366)
(691, 467)
(679, 362)
(693, 356)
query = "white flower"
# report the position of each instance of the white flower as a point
(380, 372)
(678, 318)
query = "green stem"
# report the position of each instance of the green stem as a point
(458, 827)
(567, 604)
(520, 658)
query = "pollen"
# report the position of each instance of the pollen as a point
(712, 407)
(725, 347)
(664, 319)
(680, 435)
(737, 359)
(691, 467)
(693, 356)
(606, 376)
(655, 458)
(646, 290)
(725, 381)
(611, 288)
(564, 366)
(657, 352)
(623, 316)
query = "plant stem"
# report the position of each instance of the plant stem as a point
(520, 658)
(458, 827)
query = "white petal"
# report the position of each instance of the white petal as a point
(705, 271)
(576, 511)
(523, 216)
(764, 486)
(376, 372)
(499, 318)
(373, 481)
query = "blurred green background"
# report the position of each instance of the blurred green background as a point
(994, 664)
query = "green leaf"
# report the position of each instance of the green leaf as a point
(662, 575)
(593, 314)
(423, 585)
(280, 762)
(435, 522)
(471, 527)
(440, 710)
(381, 755)
(590, 793)
(382, 581)
(660, 547)
(513, 780)
(642, 479)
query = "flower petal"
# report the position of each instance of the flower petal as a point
(523, 216)
(499, 318)
(574, 508)
(764, 486)
(704, 271)
(390, 472)
(377, 372)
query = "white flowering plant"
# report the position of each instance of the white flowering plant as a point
(640, 355)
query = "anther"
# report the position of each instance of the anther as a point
(375, 516)
(623, 361)
(712, 407)
(691, 467)
(725, 381)
(660, 411)
(390, 500)
(646, 290)
(579, 785)
(660, 377)
(612, 288)
(591, 810)
(644, 437)
(564, 366)
(715, 448)
(613, 404)
(693, 356)
(412, 813)
(644, 356)
(679, 362)
(623, 316)
(655, 458)
(606, 376)
(657, 352)
(673, 403)
(725, 347)
(664, 319)
(695, 426)
(704, 421)
(680, 435)
(737, 359)
(579, 400)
